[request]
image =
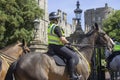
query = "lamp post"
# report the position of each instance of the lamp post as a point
(78, 13)
(36, 27)
(36, 45)
(78, 34)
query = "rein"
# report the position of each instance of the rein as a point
(86, 45)
(81, 55)
(24, 50)
(9, 59)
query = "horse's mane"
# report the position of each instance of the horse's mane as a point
(89, 33)
(7, 47)
(86, 37)
(85, 44)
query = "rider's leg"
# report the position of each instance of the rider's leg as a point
(72, 59)
(71, 68)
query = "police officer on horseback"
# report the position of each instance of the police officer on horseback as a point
(57, 42)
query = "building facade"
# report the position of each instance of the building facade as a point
(68, 28)
(96, 15)
(43, 22)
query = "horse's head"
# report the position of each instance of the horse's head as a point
(24, 48)
(102, 39)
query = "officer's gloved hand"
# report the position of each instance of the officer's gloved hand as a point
(68, 44)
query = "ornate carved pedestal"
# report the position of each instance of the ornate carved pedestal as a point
(37, 46)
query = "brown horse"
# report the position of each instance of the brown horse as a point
(43, 67)
(10, 54)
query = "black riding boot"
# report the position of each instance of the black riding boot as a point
(71, 68)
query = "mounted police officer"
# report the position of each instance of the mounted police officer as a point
(57, 41)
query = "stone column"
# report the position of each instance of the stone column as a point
(36, 44)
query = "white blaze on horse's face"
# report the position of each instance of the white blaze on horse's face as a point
(112, 42)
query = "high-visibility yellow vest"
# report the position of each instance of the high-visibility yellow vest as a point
(52, 37)
(116, 48)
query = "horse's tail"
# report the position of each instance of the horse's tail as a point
(9, 75)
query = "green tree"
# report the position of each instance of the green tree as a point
(112, 25)
(16, 20)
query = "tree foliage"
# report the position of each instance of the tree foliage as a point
(16, 20)
(112, 25)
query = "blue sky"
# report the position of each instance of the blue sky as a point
(68, 6)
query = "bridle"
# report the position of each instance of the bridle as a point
(102, 40)
(25, 49)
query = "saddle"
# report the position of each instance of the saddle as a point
(59, 60)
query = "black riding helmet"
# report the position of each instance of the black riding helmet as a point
(53, 16)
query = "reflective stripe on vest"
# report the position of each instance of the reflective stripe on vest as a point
(52, 37)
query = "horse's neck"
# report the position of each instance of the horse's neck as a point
(11, 52)
(88, 50)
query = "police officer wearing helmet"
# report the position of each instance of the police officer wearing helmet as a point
(57, 41)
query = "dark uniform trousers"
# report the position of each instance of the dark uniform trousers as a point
(68, 54)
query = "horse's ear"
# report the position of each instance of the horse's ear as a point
(96, 26)
(23, 42)
(18, 41)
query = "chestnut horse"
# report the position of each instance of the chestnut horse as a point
(43, 67)
(10, 54)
